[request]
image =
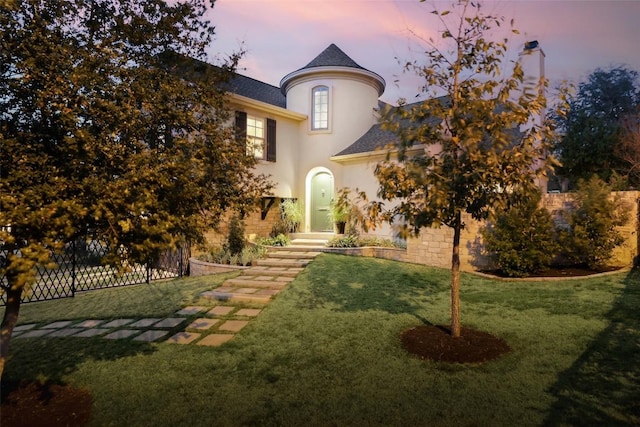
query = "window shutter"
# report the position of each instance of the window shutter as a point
(271, 140)
(241, 127)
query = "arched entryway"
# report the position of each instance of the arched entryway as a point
(320, 195)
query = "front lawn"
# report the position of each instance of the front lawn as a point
(327, 351)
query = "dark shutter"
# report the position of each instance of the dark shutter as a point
(241, 127)
(271, 140)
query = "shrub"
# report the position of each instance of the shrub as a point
(279, 240)
(591, 235)
(347, 241)
(235, 238)
(292, 215)
(522, 238)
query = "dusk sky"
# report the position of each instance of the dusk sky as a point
(281, 36)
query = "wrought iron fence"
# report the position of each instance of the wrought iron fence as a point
(79, 269)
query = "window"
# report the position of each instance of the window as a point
(320, 107)
(258, 134)
(255, 137)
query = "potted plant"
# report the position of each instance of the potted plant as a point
(339, 215)
(291, 214)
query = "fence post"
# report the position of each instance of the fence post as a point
(148, 272)
(181, 261)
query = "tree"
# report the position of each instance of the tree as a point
(592, 127)
(104, 131)
(521, 238)
(463, 152)
(592, 235)
(628, 147)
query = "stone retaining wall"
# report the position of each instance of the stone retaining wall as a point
(201, 268)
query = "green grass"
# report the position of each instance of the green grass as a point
(326, 352)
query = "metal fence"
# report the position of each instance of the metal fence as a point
(79, 269)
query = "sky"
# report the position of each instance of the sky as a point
(281, 36)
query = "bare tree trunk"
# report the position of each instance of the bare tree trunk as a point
(455, 279)
(12, 310)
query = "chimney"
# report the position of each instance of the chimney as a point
(532, 61)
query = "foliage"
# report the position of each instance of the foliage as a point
(592, 127)
(235, 239)
(107, 127)
(279, 240)
(292, 214)
(458, 153)
(377, 241)
(522, 239)
(591, 234)
(338, 212)
(346, 241)
(222, 255)
(628, 147)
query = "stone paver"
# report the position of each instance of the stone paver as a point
(65, 332)
(188, 311)
(24, 327)
(89, 323)
(183, 338)
(269, 292)
(215, 340)
(233, 325)
(250, 312)
(144, 323)
(35, 333)
(117, 323)
(57, 325)
(203, 324)
(170, 322)
(122, 333)
(273, 278)
(91, 332)
(246, 290)
(220, 310)
(149, 336)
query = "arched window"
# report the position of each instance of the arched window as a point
(320, 108)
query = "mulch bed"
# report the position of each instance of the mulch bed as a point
(433, 342)
(52, 405)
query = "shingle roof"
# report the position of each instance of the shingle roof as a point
(255, 89)
(332, 56)
(375, 138)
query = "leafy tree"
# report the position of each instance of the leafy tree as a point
(104, 129)
(628, 148)
(522, 238)
(592, 127)
(461, 153)
(591, 235)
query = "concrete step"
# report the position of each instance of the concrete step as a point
(312, 236)
(258, 270)
(259, 282)
(278, 262)
(289, 254)
(250, 295)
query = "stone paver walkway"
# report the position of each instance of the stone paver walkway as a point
(208, 325)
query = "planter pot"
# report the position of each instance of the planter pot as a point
(340, 226)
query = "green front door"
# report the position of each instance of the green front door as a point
(321, 197)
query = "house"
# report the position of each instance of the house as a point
(319, 132)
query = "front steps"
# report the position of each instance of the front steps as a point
(260, 283)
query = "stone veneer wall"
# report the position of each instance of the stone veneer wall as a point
(254, 226)
(434, 245)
